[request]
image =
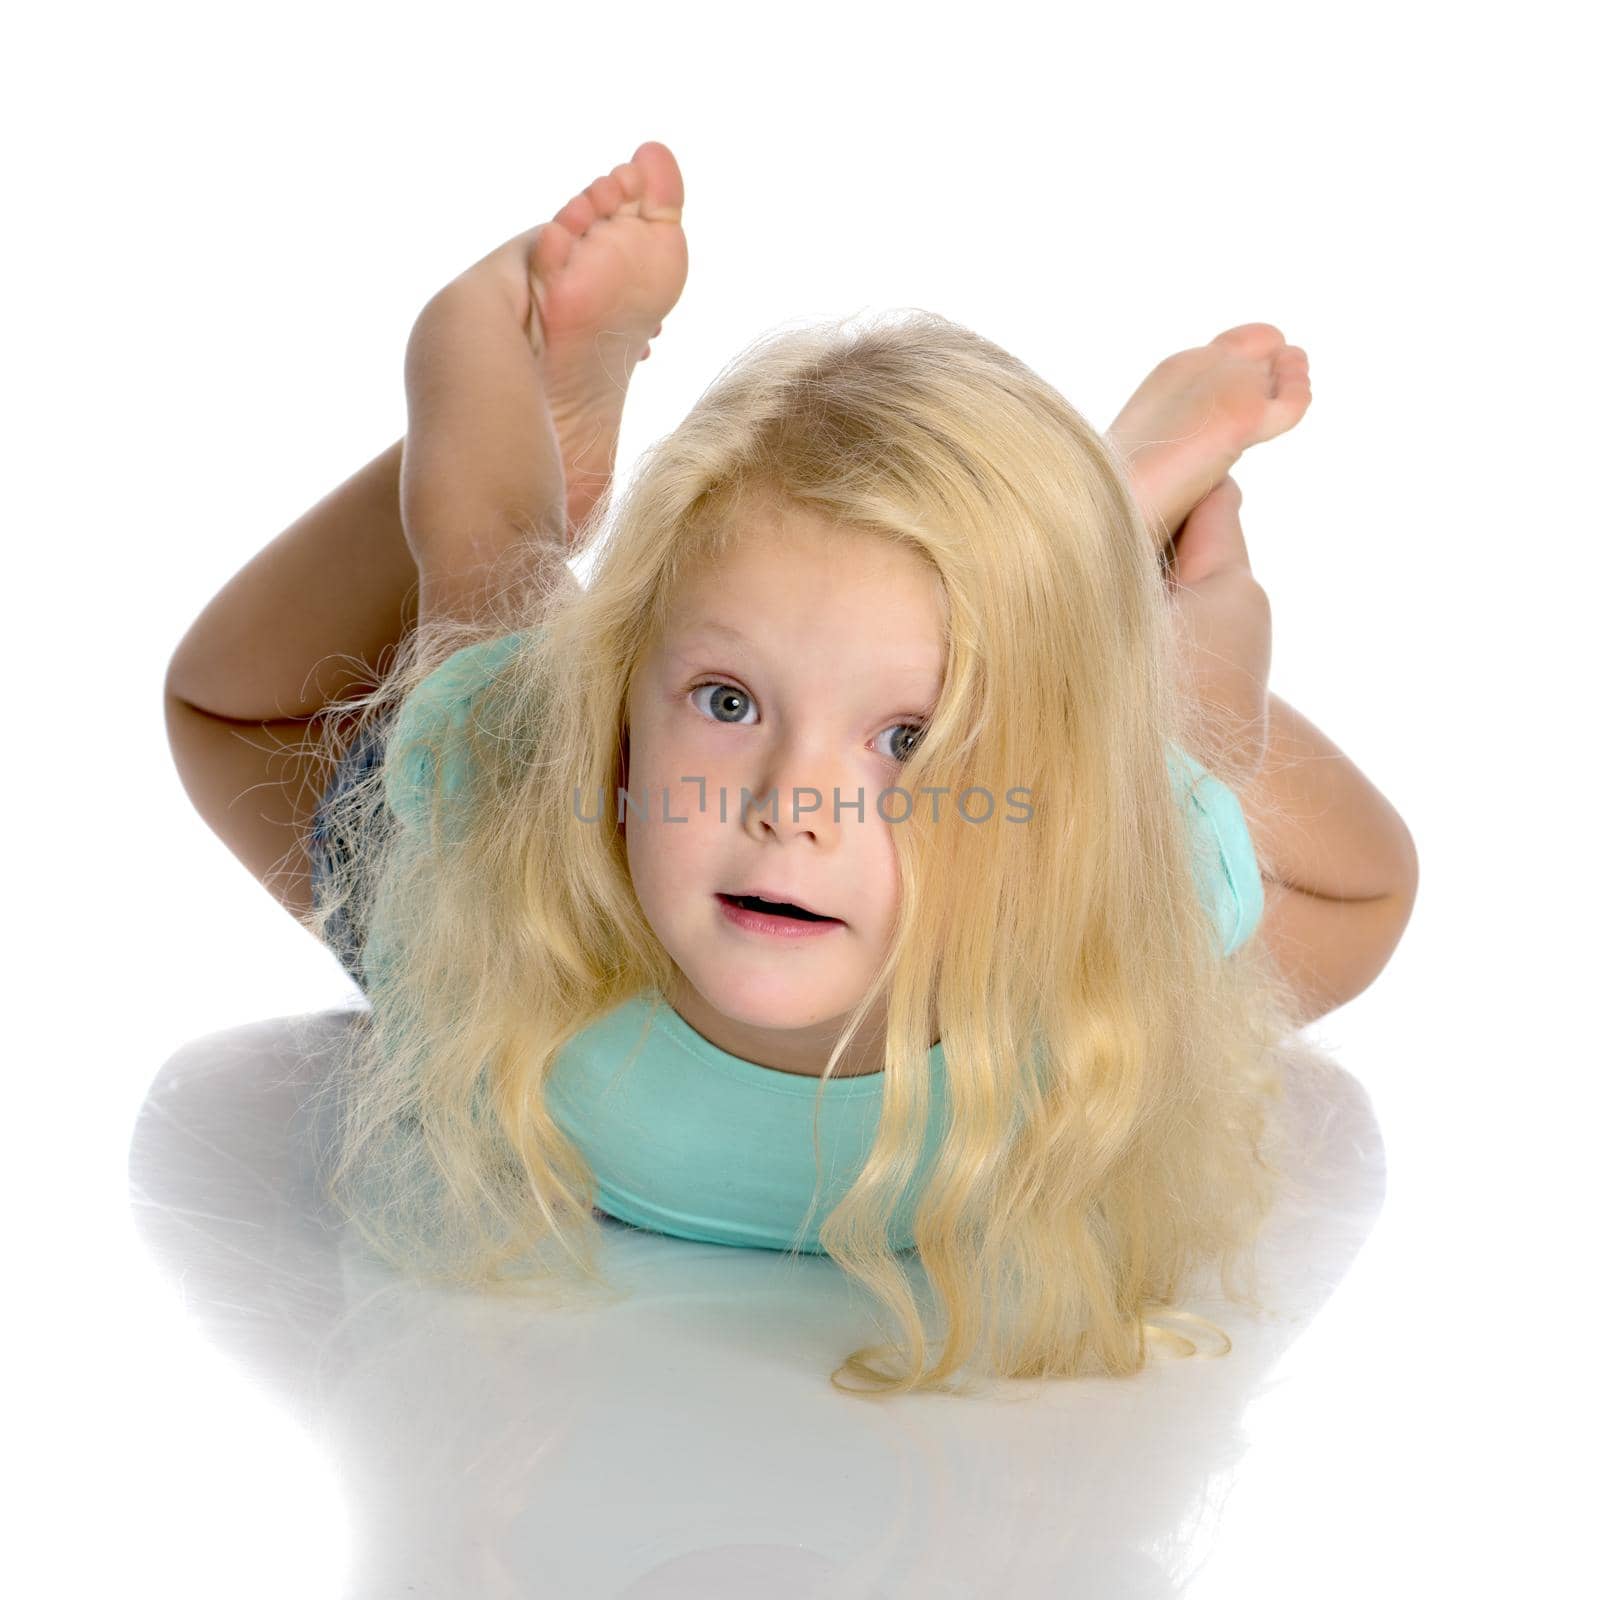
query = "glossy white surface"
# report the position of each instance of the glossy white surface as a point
(222, 223)
(685, 1441)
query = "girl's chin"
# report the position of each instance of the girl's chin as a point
(781, 1006)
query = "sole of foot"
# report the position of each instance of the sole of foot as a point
(1188, 423)
(605, 271)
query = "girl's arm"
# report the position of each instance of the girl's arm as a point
(1319, 824)
(1339, 864)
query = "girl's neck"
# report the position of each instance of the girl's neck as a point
(803, 1051)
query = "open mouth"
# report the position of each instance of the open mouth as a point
(772, 908)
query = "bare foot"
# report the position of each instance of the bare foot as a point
(604, 272)
(1200, 410)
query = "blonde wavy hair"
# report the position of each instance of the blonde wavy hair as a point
(1110, 1071)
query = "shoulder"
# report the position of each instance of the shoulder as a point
(428, 724)
(1226, 855)
(459, 677)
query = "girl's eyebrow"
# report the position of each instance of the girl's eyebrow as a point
(728, 631)
(710, 625)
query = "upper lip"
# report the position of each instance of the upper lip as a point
(781, 897)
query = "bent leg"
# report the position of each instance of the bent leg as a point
(307, 621)
(481, 483)
(309, 618)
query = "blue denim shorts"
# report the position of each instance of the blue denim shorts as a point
(364, 754)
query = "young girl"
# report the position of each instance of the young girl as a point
(891, 849)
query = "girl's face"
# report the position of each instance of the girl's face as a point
(798, 670)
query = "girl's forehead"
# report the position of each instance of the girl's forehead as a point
(797, 584)
(806, 563)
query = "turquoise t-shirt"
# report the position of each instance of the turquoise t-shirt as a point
(683, 1137)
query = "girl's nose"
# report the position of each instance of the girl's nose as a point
(802, 799)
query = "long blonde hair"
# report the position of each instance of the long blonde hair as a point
(1110, 1071)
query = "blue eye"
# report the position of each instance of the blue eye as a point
(729, 698)
(729, 705)
(905, 751)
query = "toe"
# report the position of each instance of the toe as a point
(551, 250)
(662, 197)
(1251, 340)
(1291, 387)
(1290, 392)
(1292, 368)
(577, 215)
(630, 180)
(605, 195)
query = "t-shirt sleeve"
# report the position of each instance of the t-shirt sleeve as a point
(1225, 858)
(429, 729)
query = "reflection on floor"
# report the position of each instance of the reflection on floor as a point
(685, 1441)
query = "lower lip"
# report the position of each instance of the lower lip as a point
(778, 927)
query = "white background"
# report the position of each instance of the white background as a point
(222, 221)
